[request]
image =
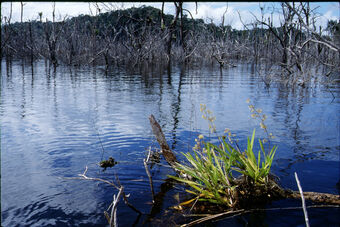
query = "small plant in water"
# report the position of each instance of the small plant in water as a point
(107, 163)
(212, 169)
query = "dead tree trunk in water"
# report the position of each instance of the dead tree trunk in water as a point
(166, 151)
(52, 33)
(31, 45)
(316, 197)
(51, 43)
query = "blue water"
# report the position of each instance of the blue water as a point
(54, 124)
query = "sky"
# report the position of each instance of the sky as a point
(209, 11)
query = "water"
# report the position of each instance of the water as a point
(54, 124)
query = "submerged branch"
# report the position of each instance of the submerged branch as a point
(166, 151)
(84, 177)
(150, 179)
(234, 213)
(318, 197)
(112, 220)
(214, 216)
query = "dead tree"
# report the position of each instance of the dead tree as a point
(300, 43)
(285, 35)
(31, 45)
(6, 39)
(172, 28)
(52, 34)
(51, 40)
(221, 53)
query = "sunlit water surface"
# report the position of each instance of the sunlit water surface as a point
(54, 124)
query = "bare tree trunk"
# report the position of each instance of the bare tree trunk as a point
(31, 43)
(166, 151)
(172, 28)
(6, 43)
(22, 10)
(180, 5)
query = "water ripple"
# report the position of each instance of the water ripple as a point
(53, 125)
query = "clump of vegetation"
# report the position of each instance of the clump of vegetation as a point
(224, 174)
(108, 163)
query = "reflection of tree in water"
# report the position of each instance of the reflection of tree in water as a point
(24, 88)
(176, 107)
(23, 103)
(169, 97)
(291, 103)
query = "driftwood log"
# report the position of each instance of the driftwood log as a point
(165, 149)
(318, 197)
(324, 198)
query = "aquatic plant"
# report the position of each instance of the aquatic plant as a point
(107, 163)
(249, 165)
(212, 168)
(225, 180)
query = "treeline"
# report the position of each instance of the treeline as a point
(135, 34)
(147, 35)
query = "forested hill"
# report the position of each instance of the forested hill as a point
(144, 16)
(136, 17)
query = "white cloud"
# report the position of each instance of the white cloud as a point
(207, 11)
(31, 10)
(323, 20)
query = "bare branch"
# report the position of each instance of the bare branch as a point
(321, 40)
(239, 15)
(83, 176)
(223, 16)
(303, 200)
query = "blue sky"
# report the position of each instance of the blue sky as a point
(209, 11)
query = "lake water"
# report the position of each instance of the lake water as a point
(54, 124)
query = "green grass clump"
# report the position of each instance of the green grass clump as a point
(211, 169)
